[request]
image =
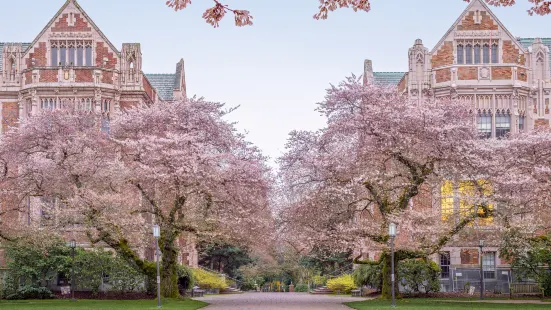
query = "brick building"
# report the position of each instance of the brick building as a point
(507, 81)
(71, 59)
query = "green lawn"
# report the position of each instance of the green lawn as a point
(100, 304)
(419, 304)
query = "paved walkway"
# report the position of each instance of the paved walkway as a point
(276, 301)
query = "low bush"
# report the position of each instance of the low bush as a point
(343, 284)
(419, 276)
(30, 292)
(301, 288)
(370, 275)
(208, 280)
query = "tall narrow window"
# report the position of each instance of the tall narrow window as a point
(63, 55)
(469, 54)
(521, 120)
(54, 56)
(477, 54)
(460, 54)
(503, 124)
(445, 265)
(486, 54)
(484, 124)
(80, 54)
(489, 265)
(72, 54)
(88, 55)
(106, 106)
(495, 53)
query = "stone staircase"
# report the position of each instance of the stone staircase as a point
(322, 290)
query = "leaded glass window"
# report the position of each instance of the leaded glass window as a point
(469, 54)
(495, 54)
(477, 54)
(489, 265)
(503, 124)
(484, 124)
(486, 54)
(445, 265)
(460, 54)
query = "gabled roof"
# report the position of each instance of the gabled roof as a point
(387, 78)
(465, 12)
(24, 47)
(164, 84)
(90, 21)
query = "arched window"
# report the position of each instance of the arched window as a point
(484, 124)
(469, 54)
(477, 54)
(486, 54)
(12, 64)
(495, 53)
(460, 54)
(503, 124)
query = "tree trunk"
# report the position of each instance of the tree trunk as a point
(387, 271)
(169, 268)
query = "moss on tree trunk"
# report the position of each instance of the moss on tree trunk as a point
(169, 270)
(387, 271)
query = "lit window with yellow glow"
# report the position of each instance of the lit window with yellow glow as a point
(447, 200)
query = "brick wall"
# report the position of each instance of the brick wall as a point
(541, 123)
(28, 77)
(125, 105)
(10, 115)
(510, 52)
(443, 75)
(502, 73)
(84, 76)
(147, 87)
(62, 24)
(487, 22)
(39, 55)
(107, 77)
(48, 75)
(469, 256)
(402, 84)
(103, 51)
(444, 55)
(467, 73)
(522, 75)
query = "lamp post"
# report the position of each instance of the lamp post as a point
(73, 245)
(157, 235)
(392, 234)
(481, 245)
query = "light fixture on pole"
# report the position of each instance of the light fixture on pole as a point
(73, 245)
(157, 235)
(392, 234)
(481, 245)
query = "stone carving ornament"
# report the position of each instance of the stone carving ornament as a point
(484, 73)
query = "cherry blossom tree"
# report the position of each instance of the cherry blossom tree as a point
(377, 161)
(179, 165)
(216, 13)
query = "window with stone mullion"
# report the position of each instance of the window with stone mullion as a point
(503, 124)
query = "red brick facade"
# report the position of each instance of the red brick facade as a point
(467, 73)
(107, 77)
(502, 73)
(443, 75)
(468, 23)
(80, 24)
(402, 84)
(541, 123)
(102, 51)
(49, 75)
(444, 55)
(147, 87)
(84, 76)
(125, 105)
(469, 256)
(28, 77)
(510, 53)
(522, 75)
(10, 115)
(39, 55)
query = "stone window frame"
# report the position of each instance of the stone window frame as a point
(503, 123)
(489, 264)
(72, 48)
(445, 263)
(485, 56)
(483, 119)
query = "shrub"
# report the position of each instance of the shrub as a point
(370, 275)
(30, 292)
(418, 275)
(319, 280)
(185, 277)
(208, 280)
(343, 283)
(301, 288)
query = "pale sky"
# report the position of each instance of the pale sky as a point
(277, 69)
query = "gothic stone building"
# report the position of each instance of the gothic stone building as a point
(507, 81)
(72, 59)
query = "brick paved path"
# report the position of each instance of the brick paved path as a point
(276, 301)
